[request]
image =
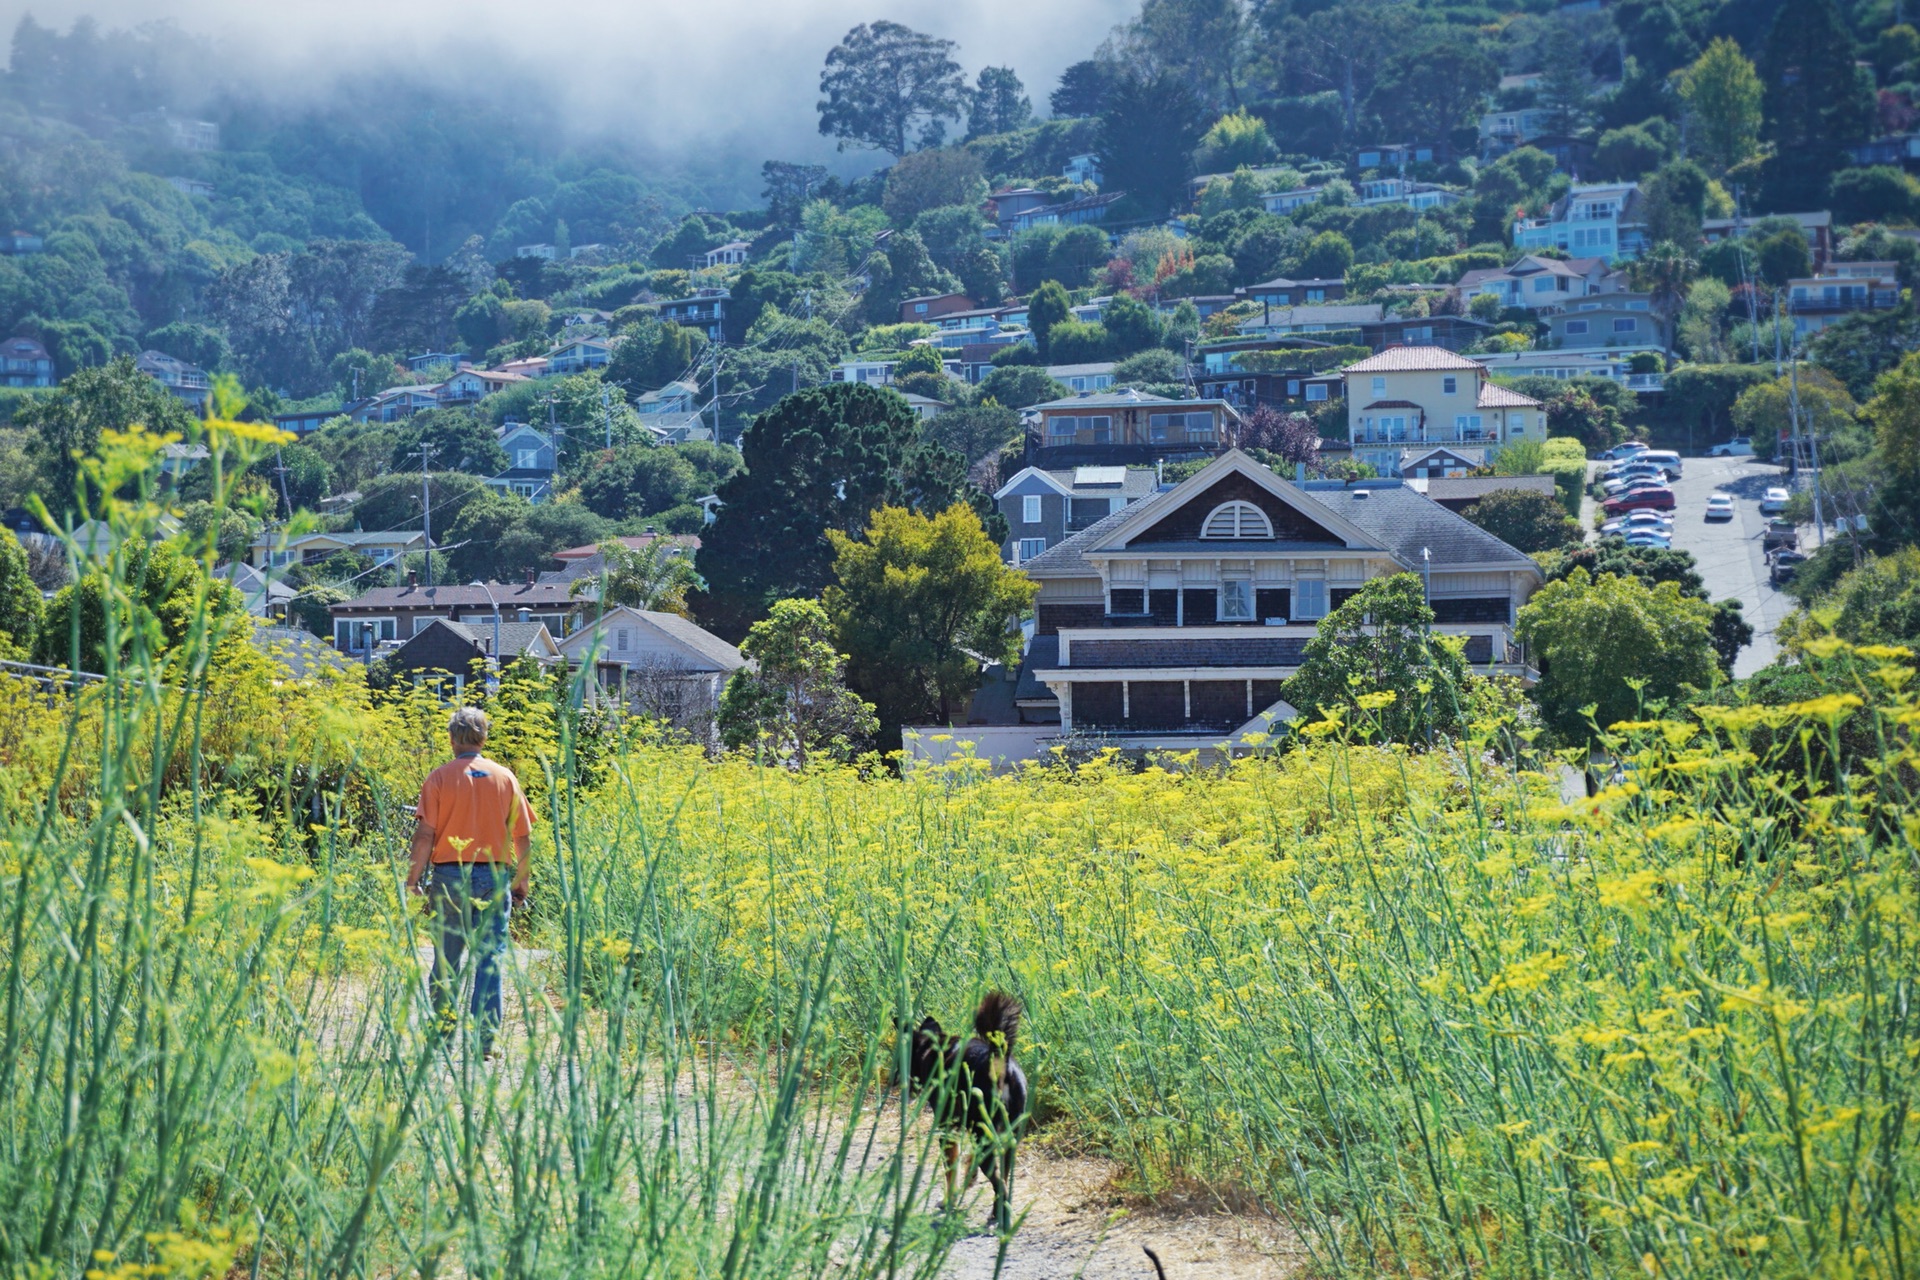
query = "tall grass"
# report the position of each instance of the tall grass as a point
(1438, 1019)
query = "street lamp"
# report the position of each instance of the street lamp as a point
(496, 618)
(1426, 579)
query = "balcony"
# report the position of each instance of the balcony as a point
(1428, 435)
(1137, 649)
(1646, 382)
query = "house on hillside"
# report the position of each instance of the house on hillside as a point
(1298, 390)
(932, 306)
(19, 243)
(1289, 201)
(271, 551)
(731, 254)
(675, 397)
(1607, 321)
(1405, 400)
(1535, 282)
(1403, 191)
(385, 616)
(705, 310)
(471, 385)
(531, 462)
(1118, 428)
(1600, 220)
(1398, 155)
(588, 561)
(187, 382)
(1282, 292)
(658, 665)
(1842, 289)
(1045, 508)
(397, 403)
(448, 653)
(1096, 375)
(25, 363)
(304, 422)
(579, 355)
(1174, 622)
(1565, 363)
(1816, 227)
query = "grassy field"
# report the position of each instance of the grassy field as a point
(1439, 1020)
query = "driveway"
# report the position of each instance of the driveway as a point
(1728, 551)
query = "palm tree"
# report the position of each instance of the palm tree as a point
(655, 576)
(1664, 273)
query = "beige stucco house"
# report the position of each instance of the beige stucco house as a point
(1405, 400)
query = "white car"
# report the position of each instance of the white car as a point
(1774, 502)
(1626, 450)
(1647, 538)
(1720, 507)
(1658, 521)
(1738, 447)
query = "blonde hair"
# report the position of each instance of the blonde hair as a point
(468, 727)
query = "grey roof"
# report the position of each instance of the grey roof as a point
(1398, 518)
(1080, 370)
(300, 652)
(1354, 314)
(1043, 654)
(1404, 521)
(515, 637)
(1138, 483)
(697, 638)
(1462, 488)
(511, 596)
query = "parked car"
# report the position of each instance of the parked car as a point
(1738, 447)
(1720, 507)
(1648, 538)
(1626, 450)
(1656, 520)
(1667, 460)
(1628, 470)
(1780, 535)
(1640, 500)
(1781, 565)
(1633, 484)
(1774, 502)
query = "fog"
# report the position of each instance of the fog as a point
(712, 76)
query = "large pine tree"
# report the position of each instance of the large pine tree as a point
(1817, 104)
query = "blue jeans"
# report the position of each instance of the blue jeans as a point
(471, 905)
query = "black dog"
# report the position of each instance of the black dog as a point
(979, 1094)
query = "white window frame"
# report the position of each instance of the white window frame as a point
(1030, 508)
(1234, 600)
(1308, 601)
(1062, 426)
(526, 459)
(1236, 520)
(1379, 386)
(1450, 385)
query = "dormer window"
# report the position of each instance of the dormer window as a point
(1237, 520)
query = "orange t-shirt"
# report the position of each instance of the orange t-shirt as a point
(474, 805)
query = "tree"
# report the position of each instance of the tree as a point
(455, 439)
(935, 178)
(1764, 410)
(1085, 88)
(1021, 387)
(655, 576)
(1676, 203)
(1592, 636)
(888, 87)
(822, 458)
(794, 698)
(1203, 42)
(228, 531)
(638, 480)
(1147, 135)
(1664, 272)
(1882, 193)
(975, 431)
(1428, 87)
(1047, 307)
(1816, 102)
(1381, 641)
(392, 501)
(1326, 257)
(1079, 342)
(654, 353)
(1894, 411)
(789, 187)
(918, 603)
(997, 103)
(158, 592)
(67, 424)
(1566, 86)
(1721, 94)
(1293, 438)
(19, 599)
(1879, 603)
(1623, 154)
(1131, 325)
(1525, 520)
(1236, 139)
(417, 314)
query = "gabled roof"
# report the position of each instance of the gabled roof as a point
(1404, 521)
(1281, 282)
(1411, 360)
(696, 640)
(511, 596)
(1494, 396)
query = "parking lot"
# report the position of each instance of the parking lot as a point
(1728, 551)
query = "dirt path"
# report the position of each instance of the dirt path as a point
(1078, 1226)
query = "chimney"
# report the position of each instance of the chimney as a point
(413, 579)
(524, 614)
(530, 577)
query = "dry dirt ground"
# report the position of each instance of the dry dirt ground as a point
(1077, 1224)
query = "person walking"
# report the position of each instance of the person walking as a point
(472, 858)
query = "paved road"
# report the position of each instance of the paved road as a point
(1728, 551)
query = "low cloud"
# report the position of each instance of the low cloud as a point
(736, 77)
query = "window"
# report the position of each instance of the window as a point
(1316, 295)
(1422, 333)
(1030, 509)
(1450, 385)
(1309, 601)
(1062, 426)
(1625, 324)
(1164, 427)
(920, 308)
(1575, 327)
(526, 459)
(279, 559)
(1029, 548)
(1379, 386)
(620, 636)
(381, 555)
(1293, 388)
(1317, 391)
(1543, 284)
(1236, 600)
(1102, 427)
(1236, 520)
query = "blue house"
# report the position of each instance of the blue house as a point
(25, 363)
(530, 462)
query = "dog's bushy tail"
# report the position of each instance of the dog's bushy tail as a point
(998, 1013)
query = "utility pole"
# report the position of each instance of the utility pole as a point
(280, 469)
(426, 508)
(606, 413)
(714, 392)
